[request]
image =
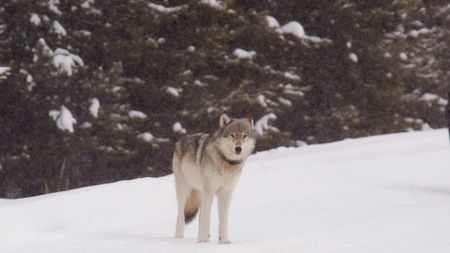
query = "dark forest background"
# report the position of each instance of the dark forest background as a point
(160, 69)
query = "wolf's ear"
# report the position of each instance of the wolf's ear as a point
(224, 120)
(249, 117)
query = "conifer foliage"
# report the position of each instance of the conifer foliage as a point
(94, 91)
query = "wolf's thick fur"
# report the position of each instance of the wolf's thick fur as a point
(210, 164)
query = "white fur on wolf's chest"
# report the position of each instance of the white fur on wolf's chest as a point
(200, 177)
(225, 178)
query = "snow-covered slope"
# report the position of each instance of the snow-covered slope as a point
(380, 194)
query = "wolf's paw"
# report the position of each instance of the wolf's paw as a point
(203, 240)
(225, 240)
(178, 236)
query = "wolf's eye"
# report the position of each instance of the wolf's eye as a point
(244, 136)
(231, 135)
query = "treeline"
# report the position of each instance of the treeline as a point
(100, 90)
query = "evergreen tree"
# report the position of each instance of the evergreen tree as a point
(100, 90)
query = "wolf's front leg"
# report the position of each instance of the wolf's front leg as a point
(205, 216)
(224, 199)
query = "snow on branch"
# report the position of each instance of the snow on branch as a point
(4, 72)
(94, 107)
(294, 28)
(147, 137)
(62, 59)
(59, 29)
(213, 4)
(136, 114)
(263, 124)
(163, 9)
(63, 118)
(65, 61)
(244, 54)
(35, 19)
(178, 128)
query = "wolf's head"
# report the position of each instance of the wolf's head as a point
(236, 138)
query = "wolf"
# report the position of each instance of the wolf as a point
(208, 165)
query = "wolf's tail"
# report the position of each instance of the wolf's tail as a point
(191, 206)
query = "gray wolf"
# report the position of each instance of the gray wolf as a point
(205, 165)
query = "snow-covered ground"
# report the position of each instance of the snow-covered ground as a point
(387, 193)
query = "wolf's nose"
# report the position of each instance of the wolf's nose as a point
(238, 150)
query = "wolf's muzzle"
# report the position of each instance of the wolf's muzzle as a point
(238, 150)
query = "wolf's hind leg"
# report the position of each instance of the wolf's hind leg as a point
(182, 191)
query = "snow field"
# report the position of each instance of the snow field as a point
(379, 194)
